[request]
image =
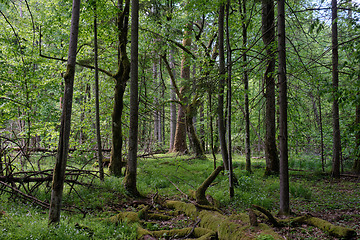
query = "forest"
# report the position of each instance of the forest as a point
(171, 119)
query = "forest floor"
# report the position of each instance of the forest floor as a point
(173, 177)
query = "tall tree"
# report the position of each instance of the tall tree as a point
(268, 30)
(335, 84)
(121, 77)
(130, 178)
(97, 107)
(220, 109)
(172, 104)
(246, 88)
(229, 99)
(63, 146)
(283, 134)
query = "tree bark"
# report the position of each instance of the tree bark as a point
(220, 109)
(172, 104)
(121, 78)
(63, 147)
(130, 178)
(246, 94)
(283, 134)
(268, 29)
(335, 81)
(97, 107)
(356, 167)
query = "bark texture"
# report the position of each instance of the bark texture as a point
(335, 82)
(283, 134)
(63, 147)
(121, 78)
(130, 178)
(268, 29)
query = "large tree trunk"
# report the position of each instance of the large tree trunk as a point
(283, 134)
(220, 110)
(335, 80)
(121, 78)
(130, 178)
(97, 108)
(268, 29)
(63, 147)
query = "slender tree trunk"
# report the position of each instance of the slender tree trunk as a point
(130, 178)
(121, 78)
(172, 104)
(246, 94)
(268, 29)
(335, 80)
(356, 167)
(229, 101)
(63, 147)
(321, 136)
(97, 107)
(220, 110)
(283, 134)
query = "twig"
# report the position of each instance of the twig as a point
(193, 228)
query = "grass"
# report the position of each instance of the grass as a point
(309, 192)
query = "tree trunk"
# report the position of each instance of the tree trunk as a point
(246, 93)
(97, 108)
(229, 101)
(172, 104)
(335, 80)
(268, 29)
(356, 167)
(130, 178)
(63, 147)
(283, 134)
(121, 78)
(220, 110)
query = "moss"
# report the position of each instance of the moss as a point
(156, 216)
(185, 232)
(336, 231)
(130, 217)
(187, 208)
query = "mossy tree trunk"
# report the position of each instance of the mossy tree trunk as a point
(130, 178)
(121, 78)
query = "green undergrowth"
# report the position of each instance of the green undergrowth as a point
(172, 177)
(20, 221)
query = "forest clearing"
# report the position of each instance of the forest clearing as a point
(172, 119)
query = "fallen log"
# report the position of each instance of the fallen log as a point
(227, 227)
(332, 230)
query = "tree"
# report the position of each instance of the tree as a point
(130, 177)
(268, 30)
(97, 108)
(283, 134)
(335, 84)
(121, 77)
(63, 146)
(220, 109)
(246, 89)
